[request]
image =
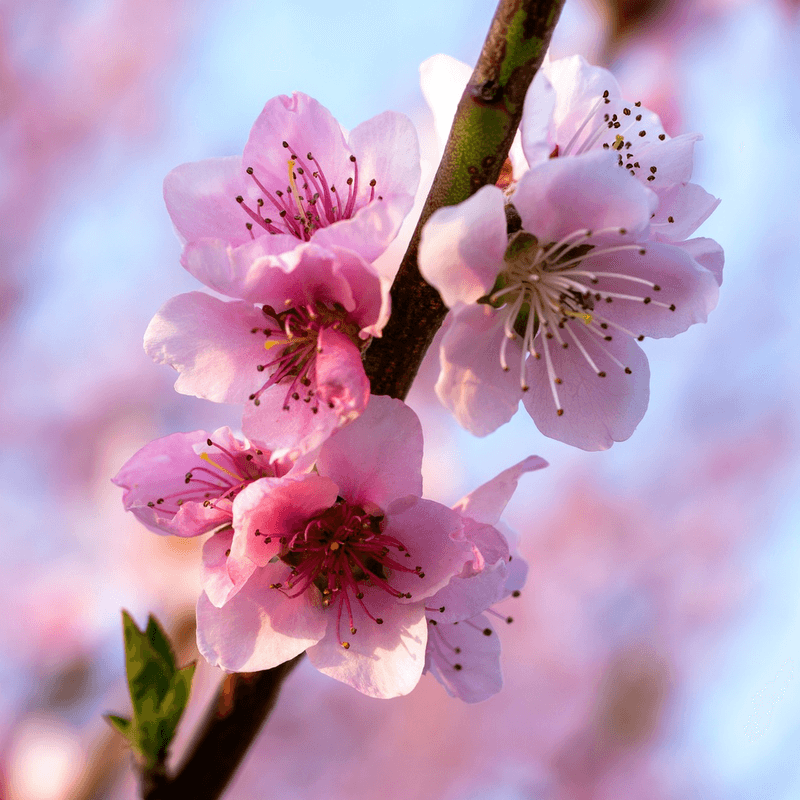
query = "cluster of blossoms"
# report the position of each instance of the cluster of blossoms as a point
(319, 539)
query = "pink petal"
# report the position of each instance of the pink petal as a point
(341, 381)
(431, 534)
(159, 470)
(370, 231)
(478, 658)
(563, 195)
(201, 199)
(308, 127)
(597, 411)
(486, 503)
(472, 383)
(683, 283)
(282, 278)
(443, 80)
(288, 433)
(707, 253)
(672, 158)
(465, 597)
(462, 247)
(538, 127)
(259, 627)
(387, 150)
(273, 508)
(377, 458)
(382, 660)
(218, 583)
(688, 205)
(209, 342)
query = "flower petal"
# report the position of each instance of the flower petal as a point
(209, 342)
(201, 200)
(377, 458)
(387, 149)
(465, 660)
(472, 384)
(308, 127)
(274, 508)
(683, 284)
(383, 660)
(687, 205)
(159, 470)
(431, 535)
(288, 433)
(341, 381)
(598, 411)
(487, 502)
(259, 628)
(443, 80)
(707, 253)
(538, 127)
(218, 584)
(462, 247)
(562, 195)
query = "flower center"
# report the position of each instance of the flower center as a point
(294, 334)
(549, 297)
(342, 551)
(306, 203)
(217, 479)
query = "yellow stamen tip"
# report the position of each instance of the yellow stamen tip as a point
(206, 458)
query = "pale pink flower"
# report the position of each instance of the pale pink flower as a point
(291, 346)
(187, 484)
(301, 177)
(550, 313)
(346, 561)
(463, 651)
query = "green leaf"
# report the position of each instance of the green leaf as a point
(159, 691)
(149, 672)
(158, 639)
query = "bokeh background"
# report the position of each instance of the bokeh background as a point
(653, 651)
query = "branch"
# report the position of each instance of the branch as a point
(243, 702)
(483, 129)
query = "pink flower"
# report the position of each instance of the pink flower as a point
(187, 484)
(301, 178)
(291, 346)
(547, 304)
(345, 561)
(463, 651)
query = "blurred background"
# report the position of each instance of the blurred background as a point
(653, 651)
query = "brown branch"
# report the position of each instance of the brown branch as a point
(242, 704)
(483, 129)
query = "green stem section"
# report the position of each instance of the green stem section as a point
(483, 129)
(486, 121)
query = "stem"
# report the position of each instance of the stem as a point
(487, 118)
(483, 129)
(242, 704)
